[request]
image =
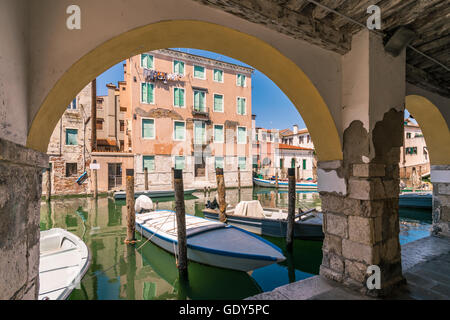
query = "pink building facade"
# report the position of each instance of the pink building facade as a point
(188, 112)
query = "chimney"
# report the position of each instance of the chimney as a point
(295, 128)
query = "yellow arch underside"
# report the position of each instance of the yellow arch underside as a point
(433, 126)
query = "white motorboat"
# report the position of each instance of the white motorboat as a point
(64, 259)
(251, 216)
(209, 242)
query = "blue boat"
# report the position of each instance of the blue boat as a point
(283, 184)
(209, 242)
(421, 200)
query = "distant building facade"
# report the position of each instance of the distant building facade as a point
(414, 157)
(69, 148)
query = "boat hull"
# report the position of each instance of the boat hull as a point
(120, 195)
(64, 259)
(416, 200)
(208, 256)
(282, 184)
(272, 228)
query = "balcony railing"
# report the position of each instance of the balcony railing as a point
(200, 112)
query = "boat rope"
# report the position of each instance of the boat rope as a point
(95, 273)
(168, 216)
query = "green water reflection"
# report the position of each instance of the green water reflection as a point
(145, 271)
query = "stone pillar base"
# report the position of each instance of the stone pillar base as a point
(20, 193)
(440, 177)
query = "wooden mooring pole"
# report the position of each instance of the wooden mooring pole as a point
(276, 178)
(49, 183)
(221, 194)
(146, 178)
(291, 210)
(95, 181)
(182, 263)
(239, 178)
(131, 215)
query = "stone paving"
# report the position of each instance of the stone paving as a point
(426, 268)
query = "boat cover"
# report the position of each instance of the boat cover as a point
(249, 209)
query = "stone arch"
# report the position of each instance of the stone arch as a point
(433, 126)
(200, 35)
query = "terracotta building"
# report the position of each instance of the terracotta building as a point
(187, 112)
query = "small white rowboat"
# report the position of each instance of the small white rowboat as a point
(64, 259)
(209, 242)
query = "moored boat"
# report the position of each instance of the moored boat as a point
(150, 193)
(249, 215)
(209, 242)
(64, 259)
(284, 184)
(423, 200)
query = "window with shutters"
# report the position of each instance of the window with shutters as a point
(199, 72)
(241, 162)
(241, 106)
(147, 93)
(178, 97)
(240, 80)
(148, 162)
(148, 128)
(218, 102)
(147, 61)
(241, 135)
(218, 162)
(218, 133)
(199, 100)
(71, 137)
(179, 162)
(199, 132)
(218, 75)
(178, 67)
(179, 130)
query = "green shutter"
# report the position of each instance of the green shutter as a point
(179, 130)
(148, 162)
(202, 101)
(218, 134)
(178, 67)
(148, 128)
(150, 89)
(241, 106)
(218, 75)
(199, 132)
(218, 102)
(196, 100)
(181, 97)
(304, 164)
(219, 162)
(71, 137)
(146, 61)
(179, 162)
(242, 161)
(176, 97)
(199, 72)
(144, 92)
(241, 135)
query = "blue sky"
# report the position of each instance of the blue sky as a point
(272, 107)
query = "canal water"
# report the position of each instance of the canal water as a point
(145, 271)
